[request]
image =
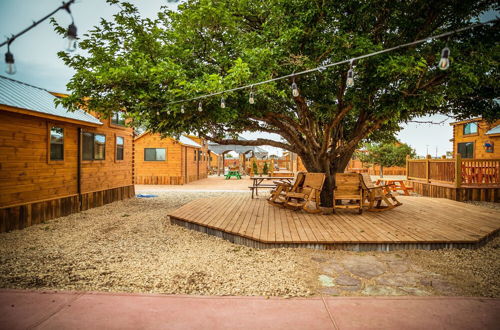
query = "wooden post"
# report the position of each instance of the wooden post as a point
(427, 168)
(458, 170)
(407, 166)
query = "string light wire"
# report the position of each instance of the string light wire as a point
(65, 6)
(323, 67)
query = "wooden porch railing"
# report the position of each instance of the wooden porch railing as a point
(455, 171)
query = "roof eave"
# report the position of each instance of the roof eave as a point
(47, 116)
(466, 121)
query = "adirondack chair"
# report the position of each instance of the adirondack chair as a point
(378, 194)
(348, 187)
(309, 198)
(278, 194)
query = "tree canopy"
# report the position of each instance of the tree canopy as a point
(142, 65)
(386, 154)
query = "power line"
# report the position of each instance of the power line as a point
(351, 60)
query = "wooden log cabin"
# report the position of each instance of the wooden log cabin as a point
(476, 138)
(169, 161)
(214, 162)
(53, 162)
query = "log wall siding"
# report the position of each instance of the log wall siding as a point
(479, 139)
(21, 216)
(483, 193)
(180, 166)
(27, 175)
(204, 161)
(34, 189)
(109, 173)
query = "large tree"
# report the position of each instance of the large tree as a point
(142, 65)
(391, 153)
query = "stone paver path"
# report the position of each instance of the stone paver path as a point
(380, 274)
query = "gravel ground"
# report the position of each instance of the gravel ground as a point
(491, 205)
(130, 246)
(470, 272)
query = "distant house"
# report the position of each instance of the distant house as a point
(215, 162)
(54, 162)
(169, 161)
(476, 138)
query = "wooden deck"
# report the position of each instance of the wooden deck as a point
(420, 223)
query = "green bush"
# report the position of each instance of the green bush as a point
(265, 169)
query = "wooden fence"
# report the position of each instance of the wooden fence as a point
(458, 172)
(260, 166)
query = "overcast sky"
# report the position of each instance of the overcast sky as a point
(37, 63)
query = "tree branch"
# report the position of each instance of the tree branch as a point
(257, 142)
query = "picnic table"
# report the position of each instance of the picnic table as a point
(396, 185)
(257, 182)
(231, 174)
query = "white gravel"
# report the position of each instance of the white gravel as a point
(130, 246)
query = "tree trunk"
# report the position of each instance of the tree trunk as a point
(381, 171)
(330, 166)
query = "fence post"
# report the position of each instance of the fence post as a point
(407, 166)
(458, 170)
(427, 168)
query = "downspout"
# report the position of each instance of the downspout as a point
(79, 168)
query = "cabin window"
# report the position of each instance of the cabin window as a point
(466, 150)
(93, 146)
(56, 143)
(120, 141)
(194, 154)
(118, 118)
(470, 128)
(199, 155)
(155, 154)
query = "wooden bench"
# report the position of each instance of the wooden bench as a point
(265, 186)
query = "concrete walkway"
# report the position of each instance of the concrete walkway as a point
(20, 309)
(210, 184)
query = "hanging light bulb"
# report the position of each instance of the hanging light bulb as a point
(251, 99)
(444, 63)
(157, 113)
(182, 108)
(9, 60)
(71, 37)
(295, 89)
(350, 77)
(70, 32)
(200, 108)
(222, 103)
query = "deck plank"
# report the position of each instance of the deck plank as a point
(420, 220)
